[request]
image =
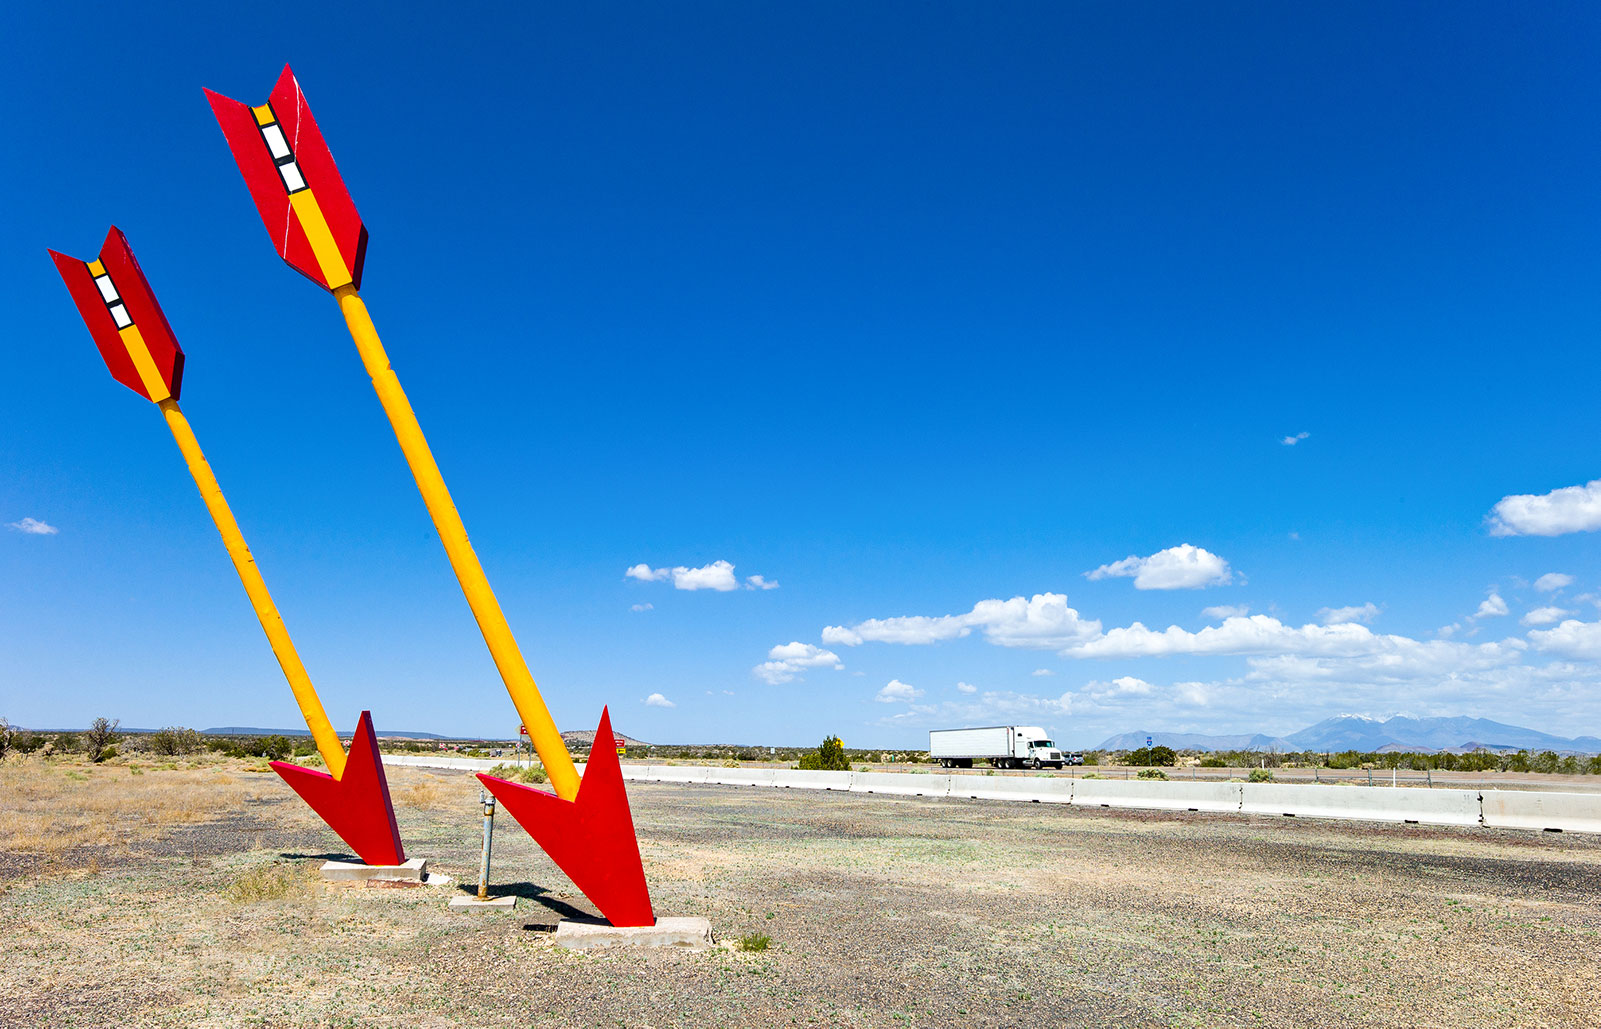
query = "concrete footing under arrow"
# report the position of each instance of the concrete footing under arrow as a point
(492, 904)
(592, 933)
(345, 871)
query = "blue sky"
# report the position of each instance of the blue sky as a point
(911, 309)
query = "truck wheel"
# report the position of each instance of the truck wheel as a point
(1036, 765)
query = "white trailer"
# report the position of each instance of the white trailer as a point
(1003, 746)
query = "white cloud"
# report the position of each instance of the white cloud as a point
(1042, 622)
(966, 687)
(1124, 685)
(1291, 441)
(1550, 582)
(719, 575)
(1225, 611)
(1040, 673)
(1492, 607)
(1342, 615)
(1570, 509)
(896, 692)
(1184, 567)
(1277, 642)
(788, 660)
(33, 527)
(756, 582)
(1572, 638)
(1544, 616)
(643, 607)
(657, 700)
(989, 707)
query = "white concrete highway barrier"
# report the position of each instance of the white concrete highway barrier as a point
(1043, 790)
(1372, 803)
(1157, 795)
(1509, 809)
(742, 776)
(1566, 812)
(675, 773)
(813, 780)
(906, 784)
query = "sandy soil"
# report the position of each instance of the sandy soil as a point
(882, 911)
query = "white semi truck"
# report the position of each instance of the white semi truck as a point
(1004, 746)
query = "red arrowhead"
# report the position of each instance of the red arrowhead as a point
(356, 805)
(591, 837)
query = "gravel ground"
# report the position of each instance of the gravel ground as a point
(882, 911)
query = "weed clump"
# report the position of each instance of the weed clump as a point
(1259, 775)
(516, 773)
(752, 943)
(1151, 773)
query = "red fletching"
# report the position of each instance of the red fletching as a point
(591, 837)
(141, 309)
(315, 165)
(356, 805)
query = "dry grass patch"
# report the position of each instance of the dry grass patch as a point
(279, 880)
(50, 807)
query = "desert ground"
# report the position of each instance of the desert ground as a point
(186, 894)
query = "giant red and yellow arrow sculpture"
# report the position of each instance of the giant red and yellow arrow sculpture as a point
(126, 322)
(586, 828)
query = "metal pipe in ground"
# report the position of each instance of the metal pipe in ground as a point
(488, 800)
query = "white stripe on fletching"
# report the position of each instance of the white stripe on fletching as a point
(291, 176)
(275, 140)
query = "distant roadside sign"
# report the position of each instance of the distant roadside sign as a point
(522, 730)
(1147, 743)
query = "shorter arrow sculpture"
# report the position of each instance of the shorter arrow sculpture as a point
(122, 315)
(316, 229)
(591, 837)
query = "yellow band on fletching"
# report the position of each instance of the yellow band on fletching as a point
(139, 351)
(96, 269)
(329, 259)
(263, 114)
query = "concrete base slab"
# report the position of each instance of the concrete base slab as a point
(492, 904)
(346, 871)
(592, 933)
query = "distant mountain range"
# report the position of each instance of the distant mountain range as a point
(1355, 732)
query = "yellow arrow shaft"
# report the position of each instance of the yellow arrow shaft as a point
(486, 609)
(283, 648)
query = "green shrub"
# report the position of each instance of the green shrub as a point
(518, 773)
(273, 748)
(1213, 762)
(1151, 773)
(753, 942)
(174, 740)
(1259, 775)
(828, 757)
(107, 753)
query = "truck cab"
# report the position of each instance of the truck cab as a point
(1034, 749)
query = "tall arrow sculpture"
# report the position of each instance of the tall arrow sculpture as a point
(142, 353)
(316, 230)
